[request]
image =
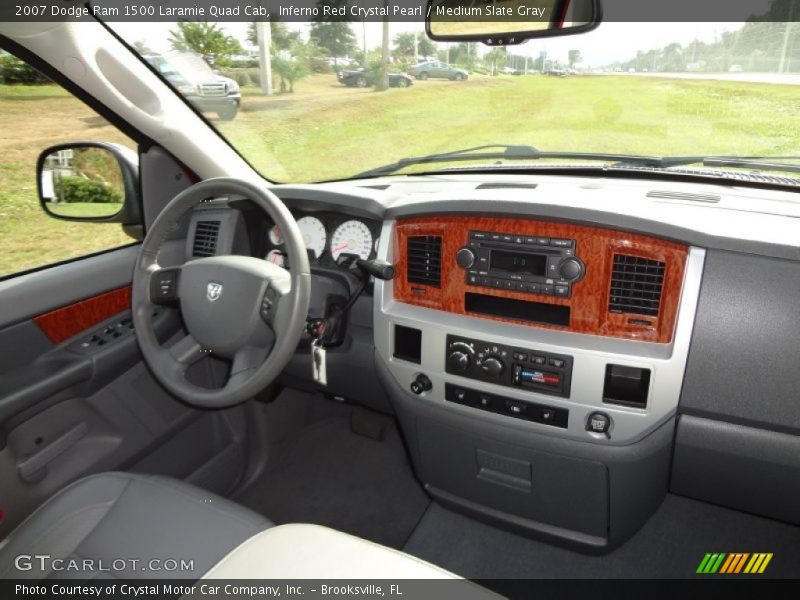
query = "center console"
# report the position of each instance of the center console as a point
(536, 367)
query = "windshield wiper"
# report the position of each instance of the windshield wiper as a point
(521, 152)
(517, 152)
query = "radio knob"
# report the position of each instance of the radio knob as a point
(465, 258)
(570, 269)
(458, 361)
(493, 367)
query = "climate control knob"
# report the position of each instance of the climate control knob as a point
(570, 269)
(465, 258)
(458, 362)
(493, 366)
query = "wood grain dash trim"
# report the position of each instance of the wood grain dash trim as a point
(588, 305)
(63, 323)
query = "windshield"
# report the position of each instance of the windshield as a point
(657, 89)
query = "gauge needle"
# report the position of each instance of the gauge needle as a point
(340, 248)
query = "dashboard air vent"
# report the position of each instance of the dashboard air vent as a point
(636, 285)
(205, 238)
(424, 260)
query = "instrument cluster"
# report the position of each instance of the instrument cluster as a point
(329, 239)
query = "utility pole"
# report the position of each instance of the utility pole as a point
(264, 32)
(364, 42)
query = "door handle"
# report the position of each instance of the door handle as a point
(31, 469)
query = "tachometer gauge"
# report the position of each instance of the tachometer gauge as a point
(277, 257)
(351, 237)
(314, 234)
(275, 236)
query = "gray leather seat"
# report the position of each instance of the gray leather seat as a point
(113, 516)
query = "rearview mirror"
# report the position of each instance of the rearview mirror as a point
(502, 22)
(89, 181)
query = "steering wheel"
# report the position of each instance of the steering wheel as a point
(246, 309)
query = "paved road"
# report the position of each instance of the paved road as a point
(779, 78)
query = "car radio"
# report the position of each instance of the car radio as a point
(535, 265)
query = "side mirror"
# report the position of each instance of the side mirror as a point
(504, 22)
(90, 181)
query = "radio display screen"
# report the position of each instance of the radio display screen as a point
(514, 262)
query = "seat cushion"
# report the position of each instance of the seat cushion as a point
(111, 516)
(303, 551)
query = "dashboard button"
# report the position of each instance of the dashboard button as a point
(486, 402)
(548, 415)
(562, 290)
(547, 290)
(478, 235)
(556, 362)
(515, 408)
(519, 356)
(598, 423)
(543, 241)
(538, 360)
(561, 243)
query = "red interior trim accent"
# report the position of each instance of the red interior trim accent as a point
(62, 323)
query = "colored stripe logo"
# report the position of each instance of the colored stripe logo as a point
(734, 563)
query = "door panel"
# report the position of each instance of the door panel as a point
(76, 398)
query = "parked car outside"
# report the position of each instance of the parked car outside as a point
(198, 83)
(437, 70)
(361, 77)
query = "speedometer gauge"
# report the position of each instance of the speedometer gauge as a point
(351, 237)
(314, 234)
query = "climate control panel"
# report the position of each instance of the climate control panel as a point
(527, 368)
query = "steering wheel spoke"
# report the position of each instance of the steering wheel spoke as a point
(245, 361)
(186, 351)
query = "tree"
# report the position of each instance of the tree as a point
(334, 36)
(574, 57)
(141, 47)
(404, 44)
(425, 46)
(206, 39)
(496, 58)
(282, 37)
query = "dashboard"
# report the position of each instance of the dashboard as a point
(559, 350)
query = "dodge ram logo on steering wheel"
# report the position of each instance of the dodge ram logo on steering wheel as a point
(213, 291)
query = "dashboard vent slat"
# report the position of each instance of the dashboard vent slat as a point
(636, 285)
(205, 238)
(424, 260)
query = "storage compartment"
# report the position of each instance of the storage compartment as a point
(522, 310)
(628, 386)
(750, 469)
(407, 344)
(555, 490)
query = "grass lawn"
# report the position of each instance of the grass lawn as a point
(325, 130)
